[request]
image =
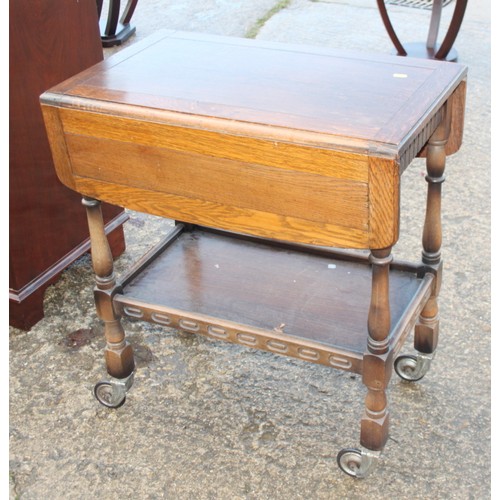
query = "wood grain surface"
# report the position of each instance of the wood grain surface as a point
(292, 142)
(370, 97)
(292, 292)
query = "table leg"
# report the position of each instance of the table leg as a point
(377, 370)
(409, 367)
(118, 353)
(426, 331)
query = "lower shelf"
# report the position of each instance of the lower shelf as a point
(293, 300)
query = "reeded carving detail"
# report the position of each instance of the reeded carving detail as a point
(420, 140)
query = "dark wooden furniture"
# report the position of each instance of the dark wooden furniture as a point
(430, 49)
(270, 154)
(50, 40)
(116, 29)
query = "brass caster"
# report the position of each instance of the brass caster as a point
(413, 367)
(358, 463)
(112, 393)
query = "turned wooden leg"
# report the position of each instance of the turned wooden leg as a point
(118, 353)
(377, 369)
(412, 368)
(427, 328)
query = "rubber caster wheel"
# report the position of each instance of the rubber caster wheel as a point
(349, 461)
(408, 368)
(107, 395)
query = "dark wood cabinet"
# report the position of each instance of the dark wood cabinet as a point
(50, 40)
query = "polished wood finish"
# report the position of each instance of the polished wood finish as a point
(427, 328)
(377, 361)
(265, 175)
(255, 123)
(50, 40)
(204, 277)
(456, 114)
(118, 353)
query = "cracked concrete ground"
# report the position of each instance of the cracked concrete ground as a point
(209, 420)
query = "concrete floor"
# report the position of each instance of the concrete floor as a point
(207, 420)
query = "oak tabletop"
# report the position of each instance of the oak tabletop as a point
(334, 94)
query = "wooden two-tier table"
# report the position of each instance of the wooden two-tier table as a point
(268, 156)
